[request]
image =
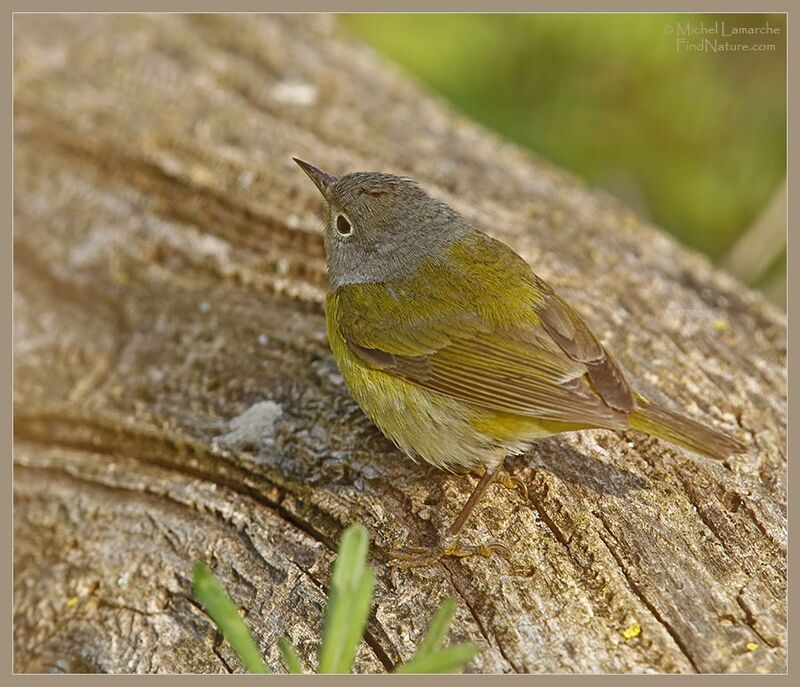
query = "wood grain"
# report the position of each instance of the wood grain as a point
(169, 277)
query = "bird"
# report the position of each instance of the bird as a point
(456, 350)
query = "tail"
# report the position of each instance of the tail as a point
(682, 431)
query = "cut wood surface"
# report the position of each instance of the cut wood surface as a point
(175, 398)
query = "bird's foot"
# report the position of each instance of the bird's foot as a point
(422, 556)
(514, 483)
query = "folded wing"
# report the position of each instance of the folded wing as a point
(542, 361)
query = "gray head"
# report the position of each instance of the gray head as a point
(380, 226)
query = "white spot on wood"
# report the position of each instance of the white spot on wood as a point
(246, 178)
(211, 246)
(295, 93)
(256, 426)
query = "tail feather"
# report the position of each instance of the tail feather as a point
(681, 431)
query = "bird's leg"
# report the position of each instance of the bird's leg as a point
(458, 524)
(421, 556)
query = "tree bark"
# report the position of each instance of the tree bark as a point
(175, 398)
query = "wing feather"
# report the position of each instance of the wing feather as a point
(533, 357)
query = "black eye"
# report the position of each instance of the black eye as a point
(343, 225)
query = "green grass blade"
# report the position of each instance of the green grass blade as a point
(224, 613)
(349, 600)
(437, 630)
(290, 657)
(451, 659)
(359, 613)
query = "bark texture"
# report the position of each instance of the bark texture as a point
(175, 398)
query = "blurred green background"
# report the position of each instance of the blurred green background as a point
(694, 140)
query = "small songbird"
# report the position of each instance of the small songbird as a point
(455, 349)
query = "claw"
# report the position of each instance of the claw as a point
(484, 550)
(417, 557)
(502, 549)
(514, 483)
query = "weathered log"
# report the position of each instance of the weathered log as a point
(175, 398)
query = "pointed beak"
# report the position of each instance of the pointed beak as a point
(321, 180)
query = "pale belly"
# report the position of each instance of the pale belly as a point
(442, 431)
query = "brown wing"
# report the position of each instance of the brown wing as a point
(572, 335)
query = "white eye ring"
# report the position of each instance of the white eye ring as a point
(344, 227)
